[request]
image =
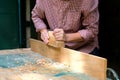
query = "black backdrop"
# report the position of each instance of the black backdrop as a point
(109, 32)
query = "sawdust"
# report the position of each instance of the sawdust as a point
(37, 67)
(41, 71)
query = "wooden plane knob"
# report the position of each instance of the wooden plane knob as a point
(53, 42)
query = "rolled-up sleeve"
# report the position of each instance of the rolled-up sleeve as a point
(38, 16)
(90, 20)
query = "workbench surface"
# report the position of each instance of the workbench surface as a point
(24, 64)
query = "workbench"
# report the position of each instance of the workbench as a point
(43, 62)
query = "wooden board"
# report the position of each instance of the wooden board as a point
(78, 61)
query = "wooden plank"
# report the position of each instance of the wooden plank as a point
(44, 49)
(78, 61)
(84, 63)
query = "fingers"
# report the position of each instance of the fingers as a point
(59, 34)
(45, 36)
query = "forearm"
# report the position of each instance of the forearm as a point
(90, 21)
(73, 37)
(38, 16)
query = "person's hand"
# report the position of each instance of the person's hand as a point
(44, 35)
(59, 34)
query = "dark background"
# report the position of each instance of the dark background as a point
(12, 24)
(109, 32)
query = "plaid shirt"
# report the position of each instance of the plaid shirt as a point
(71, 15)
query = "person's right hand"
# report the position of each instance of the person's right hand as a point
(44, 35)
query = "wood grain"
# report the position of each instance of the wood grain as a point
(78, 61)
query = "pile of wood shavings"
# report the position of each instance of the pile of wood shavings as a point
(42, 70)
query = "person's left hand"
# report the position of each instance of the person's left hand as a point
(59, 34)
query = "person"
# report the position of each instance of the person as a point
(73, 21)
